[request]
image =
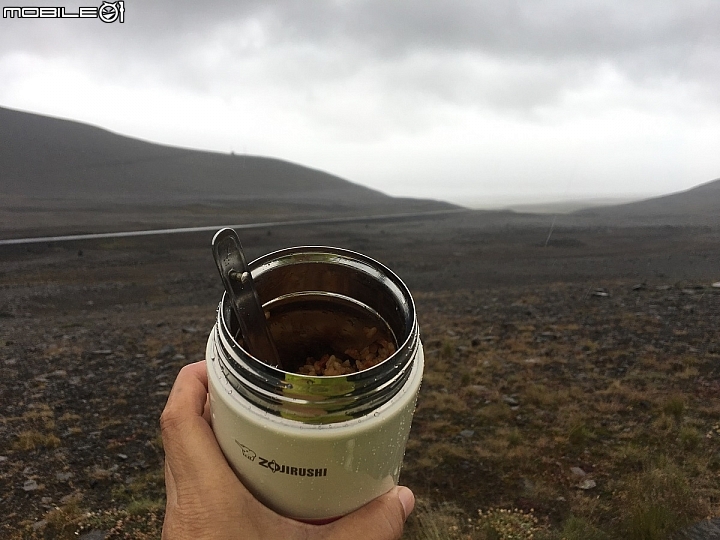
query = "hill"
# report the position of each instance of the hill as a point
(699, 205)
(50, 158)
(63, 177)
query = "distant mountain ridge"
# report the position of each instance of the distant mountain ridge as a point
(698, 204)
(50, 158)
(49, 163)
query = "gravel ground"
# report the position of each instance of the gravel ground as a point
(549, 364)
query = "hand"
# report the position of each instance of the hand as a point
(206, 500)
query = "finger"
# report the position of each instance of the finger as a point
(381, 519)
(191, 450)
(190, 389)
(179, 397)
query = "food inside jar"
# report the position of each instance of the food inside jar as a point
(351, 360)
(324, 335)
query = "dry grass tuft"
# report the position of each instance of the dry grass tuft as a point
(439, 522)
(33, 439)
(659, 503)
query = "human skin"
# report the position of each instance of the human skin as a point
(205, 500)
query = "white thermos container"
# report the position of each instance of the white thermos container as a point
(315, 448)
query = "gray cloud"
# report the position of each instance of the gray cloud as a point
(645, 38)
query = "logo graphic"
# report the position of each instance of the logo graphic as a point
(108, 12)
(246, 451)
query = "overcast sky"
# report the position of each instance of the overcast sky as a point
(472, 101)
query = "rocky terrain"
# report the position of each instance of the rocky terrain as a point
(570, 387)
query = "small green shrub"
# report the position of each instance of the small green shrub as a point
(579, 434)
(675, 407)
(651, 522)
(690, 438)
(577, 528)
(448, 349)
(139, 507)
(659, 503)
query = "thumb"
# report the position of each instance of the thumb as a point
(381, 519)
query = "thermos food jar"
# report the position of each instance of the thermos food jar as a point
(316, 447)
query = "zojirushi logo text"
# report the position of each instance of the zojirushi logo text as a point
(276, 467)
(287, 469)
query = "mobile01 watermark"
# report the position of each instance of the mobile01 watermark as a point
(108, 12)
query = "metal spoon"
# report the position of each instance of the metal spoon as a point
(239, 285)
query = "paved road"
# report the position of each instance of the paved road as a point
(124, 234)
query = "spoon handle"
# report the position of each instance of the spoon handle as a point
(239, 285)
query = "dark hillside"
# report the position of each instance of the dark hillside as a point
(698, 205)
(63, 177)
(51, 158)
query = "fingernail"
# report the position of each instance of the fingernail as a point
(407, 499)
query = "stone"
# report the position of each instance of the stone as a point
(600, 294)
(577, 471)
(467, 433)
(527, 485)
(166, 351)
(707, 529)
(30, 485)
(587, 484)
